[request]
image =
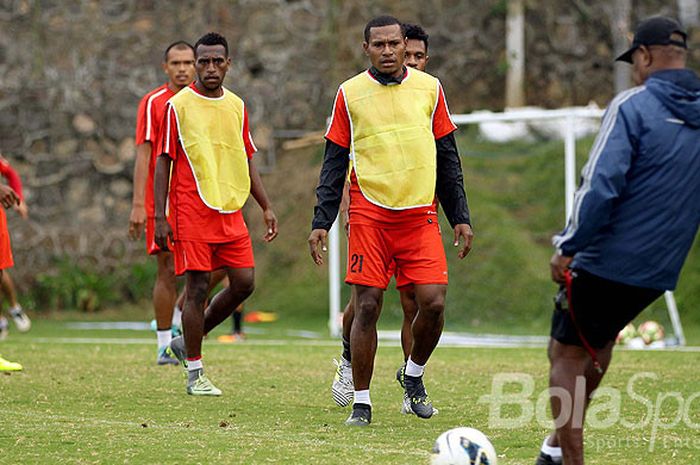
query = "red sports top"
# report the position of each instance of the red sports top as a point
(11, 176)
(363, 211)
(149, 124)
(189, 217)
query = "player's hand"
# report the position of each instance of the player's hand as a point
(558, 266)
(271, 224)
(8, 197)
(163, 233)
(137, 222)
(22, 209)
(317, 240)
(464, 232)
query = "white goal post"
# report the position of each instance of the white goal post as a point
(570, 116)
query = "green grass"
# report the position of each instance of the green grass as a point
(108, 403)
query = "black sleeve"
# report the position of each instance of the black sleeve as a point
(450, 182)
(330, 185)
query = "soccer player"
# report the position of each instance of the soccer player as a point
(207, 143)
(394, 123)
(19, 317)
(342, 387)
(416, 47)
(8, 198)
(634, 220)
(178, 65)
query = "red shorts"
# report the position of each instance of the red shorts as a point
(6, 260)
(205, 256)
(151, 246)
(416, 254)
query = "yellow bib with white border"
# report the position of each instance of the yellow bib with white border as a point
(211, 134)
(392, 144)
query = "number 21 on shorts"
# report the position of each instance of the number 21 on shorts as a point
(356, 261)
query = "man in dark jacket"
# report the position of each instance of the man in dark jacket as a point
(635, 217)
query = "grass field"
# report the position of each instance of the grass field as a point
(82, 402)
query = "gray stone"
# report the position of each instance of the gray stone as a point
(126, 149)
(66, 148)
(84, 124)
(120, 188)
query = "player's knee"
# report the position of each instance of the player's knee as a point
(197, 292)
(244, 287)
(366, 311)
(433, 306)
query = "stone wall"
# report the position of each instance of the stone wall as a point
(72, 73)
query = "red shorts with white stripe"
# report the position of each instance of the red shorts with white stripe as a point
(205, 256)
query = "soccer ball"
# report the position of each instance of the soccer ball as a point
(651, 331)
(627, 333)
(463, 446)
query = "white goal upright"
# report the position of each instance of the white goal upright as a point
(568, 118)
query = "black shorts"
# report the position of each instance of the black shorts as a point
(601, 308)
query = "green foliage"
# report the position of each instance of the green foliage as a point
(499, 9)
(502, 67)
(78, 286)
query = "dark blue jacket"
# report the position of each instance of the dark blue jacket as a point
(637, 209)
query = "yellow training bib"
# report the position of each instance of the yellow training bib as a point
(211, 133)
(392, 145)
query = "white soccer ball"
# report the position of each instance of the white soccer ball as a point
(463, 446)
(651, 331)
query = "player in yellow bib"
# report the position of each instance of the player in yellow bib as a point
(208, 144)
(393, 122)
(342, 387)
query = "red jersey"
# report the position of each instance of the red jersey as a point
(13, 179)
(189, 217)
(362, 211)
(149, 124)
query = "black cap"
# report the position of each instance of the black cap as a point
(656, 30)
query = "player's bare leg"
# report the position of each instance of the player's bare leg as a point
(197, 286)
(241, 286)
(570, 363)
(409, 305)
(348, 315)
(410, 310)
(196, 293)
(217, 276)
(363, 347)
(427, 328)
